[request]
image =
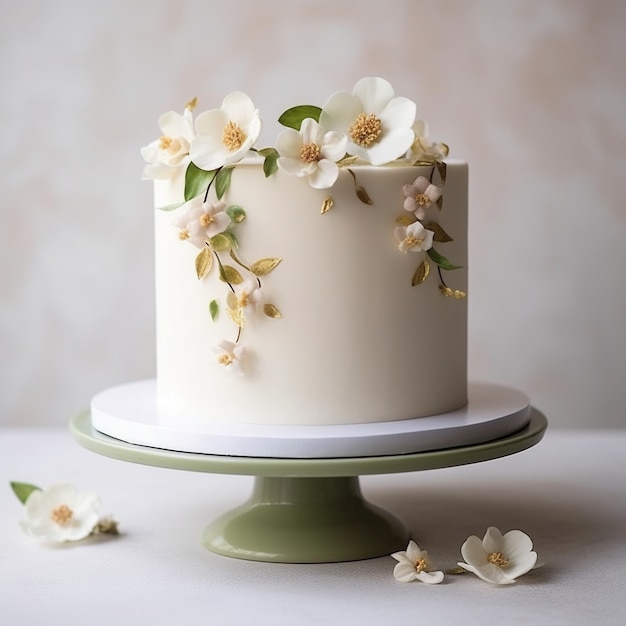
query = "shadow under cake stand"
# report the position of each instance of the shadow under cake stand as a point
(311, 510)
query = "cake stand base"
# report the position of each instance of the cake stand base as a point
(307, 510)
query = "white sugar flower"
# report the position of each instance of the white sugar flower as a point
(378, 124)
(423, 150)
(60, 513)
(420, 195)
(414, 238)
(168, 156)
(499, 559)
(414, 564)
(311, 153)
(231, 355)
(198, 221)
(246, 300)
(224, 135)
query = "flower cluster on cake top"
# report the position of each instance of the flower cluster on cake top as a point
(370, 125)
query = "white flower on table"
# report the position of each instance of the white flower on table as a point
(199, 220)
(168, 156)
(414, 238)
(312, 153)
(224, 135)
(414, 564)
(231, 355)
(378, 124)
(61, 513)
(423, 150)
(499, 559)
(420, 195)
(245, 301)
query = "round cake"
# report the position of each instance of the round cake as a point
(318, 281)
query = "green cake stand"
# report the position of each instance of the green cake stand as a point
(307, 510)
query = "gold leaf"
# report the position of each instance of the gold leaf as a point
(220, 242)
(264, 266)
(271, 311)
(457, 294)
(230, 275)
(440, 202)
(446, 291)
(237, 316)
(204, 263)
(406, 220)
(327, 205)
(421, 273)
(442, 168)
(361, 194)
(237, 260)
(192, 104)
(440, 234)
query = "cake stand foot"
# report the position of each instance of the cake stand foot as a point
(306, 520)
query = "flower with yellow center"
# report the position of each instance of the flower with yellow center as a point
(225, 135)
(198, 221)
(378, 124)
(414, 238)
(230, 355)
(60, 513)
(499, 559)
(414, 564)
(246, 300)
(420, 195)
(311, 153)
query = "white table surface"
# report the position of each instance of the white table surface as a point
(568, 493)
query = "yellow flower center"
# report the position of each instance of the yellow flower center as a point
(497, 558)
(421, 565)
(412, 241)
(243, 300)
(233, 137)
(206, 220)
(62, 515)
(310, 153)
(183, 234)
(165, 142)
(225, 359)
(366, 130)
(423, 200)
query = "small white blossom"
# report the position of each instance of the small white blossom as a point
(423, 150)
(414, 564)
(420, 195)
(224, 135)
(168, 156)
(231, 355)
(246, 300)
(378, 124)
(199, 220)
(311, 153)
(499, 559)
(414, 238)
(60, 513)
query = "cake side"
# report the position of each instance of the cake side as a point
(355, 341)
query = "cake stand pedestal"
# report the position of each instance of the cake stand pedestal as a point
(307, 510)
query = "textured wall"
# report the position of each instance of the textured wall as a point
(531, 93)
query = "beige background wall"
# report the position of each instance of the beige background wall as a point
(531, 93)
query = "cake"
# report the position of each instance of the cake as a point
(319, 281)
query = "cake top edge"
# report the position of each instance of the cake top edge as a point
(369, 126)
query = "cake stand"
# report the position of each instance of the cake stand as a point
(307, 510)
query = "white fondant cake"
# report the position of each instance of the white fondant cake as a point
(318, 282)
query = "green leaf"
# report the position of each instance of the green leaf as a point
(220, 242)
(270, 165)
(441, 260)
(236, 214)
(23, 490)
(222, 180)
(170, 207)
(197, 181)
(292, 118)
(214, 309)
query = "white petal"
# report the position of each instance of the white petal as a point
(516, 543)
(294, 167)
(310, 131)
(473, 551)
(492, 541)
(173, 124)
(432, 578)
(413, 551)
(399, 113)
(239, 108)
(211, 123)
(324, 175)
(404, 572)
(392, 145)
(374, 93)
(521, 565)
(340, 111)
(489, 573)
(289, 143)
(334, 146)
